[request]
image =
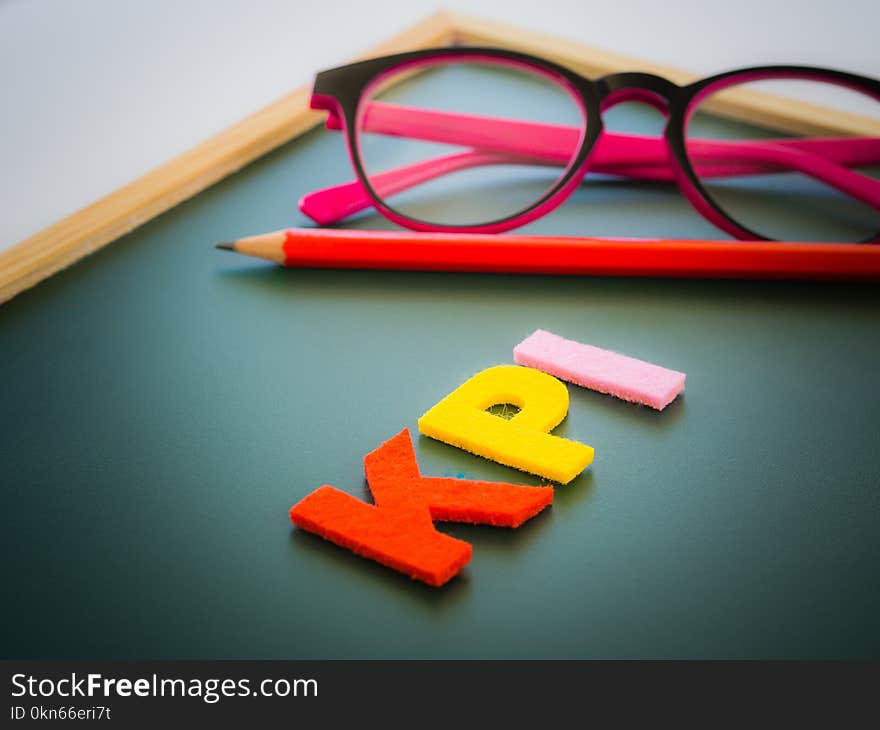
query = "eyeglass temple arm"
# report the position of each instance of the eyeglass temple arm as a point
(503, 141)
(557, 141)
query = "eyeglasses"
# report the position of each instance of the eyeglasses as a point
(486, 140)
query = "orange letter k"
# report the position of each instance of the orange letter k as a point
(398, 530)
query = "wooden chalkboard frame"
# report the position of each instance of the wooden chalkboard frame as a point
(65, 242)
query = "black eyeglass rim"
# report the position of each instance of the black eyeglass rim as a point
(340, 90)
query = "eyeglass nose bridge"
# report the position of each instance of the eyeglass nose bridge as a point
(655, 91)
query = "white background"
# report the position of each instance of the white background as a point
(97, 92)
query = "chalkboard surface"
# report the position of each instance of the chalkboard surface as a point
(164, 404)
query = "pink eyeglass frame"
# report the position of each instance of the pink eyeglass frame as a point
(345, 93)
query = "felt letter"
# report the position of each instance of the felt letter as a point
(523, 442)
(397, 531)
(608, 372)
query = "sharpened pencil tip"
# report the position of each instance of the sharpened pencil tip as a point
(226, 246)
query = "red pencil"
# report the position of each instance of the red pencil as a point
(516, 254)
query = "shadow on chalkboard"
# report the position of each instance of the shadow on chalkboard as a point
(636, 415)
(330, 282)
(738, 293)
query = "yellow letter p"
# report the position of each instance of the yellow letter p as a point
(523, 441)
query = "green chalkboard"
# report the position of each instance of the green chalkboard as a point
(164, 404)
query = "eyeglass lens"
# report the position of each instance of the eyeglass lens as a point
(465, 143)
(815, 183)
